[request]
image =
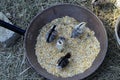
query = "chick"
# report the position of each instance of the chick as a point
(63, 61)
(78, 30)
(60, 44)
(51, 34)
(98, 2)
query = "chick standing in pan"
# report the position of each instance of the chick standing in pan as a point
(78, 30)
(60, 44)
(63, 61)
(51, 35)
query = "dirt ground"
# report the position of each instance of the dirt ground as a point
(13, 66)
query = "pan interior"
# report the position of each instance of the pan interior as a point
(80, 14)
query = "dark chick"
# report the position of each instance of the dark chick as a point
(63, 61)
(51, 34)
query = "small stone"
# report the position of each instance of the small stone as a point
(21, 15)
(8, 15)
(7, 37)
(117, 3)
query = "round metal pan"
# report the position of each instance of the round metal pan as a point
(57, 11)
(117, 31)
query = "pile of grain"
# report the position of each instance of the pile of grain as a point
(83, 50)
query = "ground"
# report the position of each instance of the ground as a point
(13, 66)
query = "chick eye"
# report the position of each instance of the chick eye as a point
(60, 42)
(81, 24)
